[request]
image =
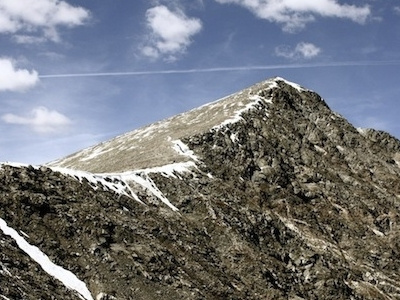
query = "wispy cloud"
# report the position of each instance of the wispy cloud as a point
(39, 17)
(13, 79)
(171, 32)
(302, 50)
(294, 15)
(41, 120)
(228, 69)
(28, 39)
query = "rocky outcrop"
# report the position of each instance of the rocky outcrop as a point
(288, 201)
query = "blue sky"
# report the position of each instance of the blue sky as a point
(75, 73)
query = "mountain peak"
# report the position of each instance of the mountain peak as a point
(156, 144)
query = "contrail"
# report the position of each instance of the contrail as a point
(227, 69)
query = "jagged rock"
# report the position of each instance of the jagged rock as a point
(267, 195)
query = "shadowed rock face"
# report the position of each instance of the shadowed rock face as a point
(289, 201)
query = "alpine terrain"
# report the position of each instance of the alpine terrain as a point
(264, 194)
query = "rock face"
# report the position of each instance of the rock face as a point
(266, 194)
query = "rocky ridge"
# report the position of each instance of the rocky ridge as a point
(268, 195)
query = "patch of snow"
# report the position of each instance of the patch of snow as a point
(100, 296)
(68, 278)
(13, 164)
(96, 152)
(171, 169)
(258, 98)
(150, 130)
(362, 131)
(142, 177)
(238, 113)
(241, 107)
(112, 182)
(119, 182)
(234, 137)
(236, 118)
(295, 85)
(145, 181)
(4, 297)
(273, 84)
(183, 149)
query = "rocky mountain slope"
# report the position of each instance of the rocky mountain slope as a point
(265, 194)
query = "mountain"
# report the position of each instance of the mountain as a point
(264, 194)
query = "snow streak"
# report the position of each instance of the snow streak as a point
(66, 277)
(119, 182)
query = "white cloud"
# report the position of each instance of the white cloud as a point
(150, 51)
(28, 39)
(295, 14)
(39, 16)
(41, 120)
(171, 32)
(302, 50)
(307, 50)
(12, 79)
(396, 9)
